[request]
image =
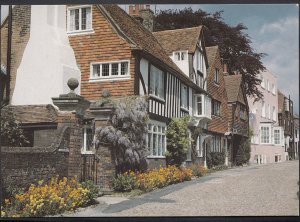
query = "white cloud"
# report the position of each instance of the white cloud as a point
(280, 40)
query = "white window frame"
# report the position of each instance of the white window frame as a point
(80, 31)
(274, 113)
(280, 136)
(184, 105)
(189, 152)
(273, 89)
(216, 107)
(263, 109)
(84, 142)
(151, 132)
(183, 54)
(199, 146)
(206, 106)
(217, 77)
(269, 136)
(110, 76)
(152, 79)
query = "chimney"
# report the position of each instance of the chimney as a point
(143, 15)
(225, 67)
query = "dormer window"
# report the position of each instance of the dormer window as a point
(180, 56)
(79, 19)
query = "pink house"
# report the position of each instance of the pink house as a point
(267, 142)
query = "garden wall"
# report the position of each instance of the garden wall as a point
(22, 166)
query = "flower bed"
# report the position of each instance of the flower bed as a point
(151, 179)
(50, 198)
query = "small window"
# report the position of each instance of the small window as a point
(265, 134)
(273, 89)
(109, 70)
(79, 19)
(216, 108)
(216, 79)
(88, 140)
(157, 83)
(184, 96)
(277, 137)
(180, 56)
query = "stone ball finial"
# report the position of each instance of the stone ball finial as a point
(73, 83)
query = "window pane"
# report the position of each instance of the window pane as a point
(83, 19)
(105, 69)
(154, 144)
(163, 145)
(72, 20)
(159, 146)
(76, 19)
(89, 139)
(88, 18)
(124, 68)
(114, 69)
(96, 70)
(199, 105)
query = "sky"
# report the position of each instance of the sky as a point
(273, 28)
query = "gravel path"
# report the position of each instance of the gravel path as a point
(265, 190)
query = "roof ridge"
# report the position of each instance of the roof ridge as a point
(169, 30)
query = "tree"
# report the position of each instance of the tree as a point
(126, 133)
(11, 132)
(178, 141)
(233, 43)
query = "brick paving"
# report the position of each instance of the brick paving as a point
(265, 190)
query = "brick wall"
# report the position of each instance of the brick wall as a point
(104, 45)
(218, 124)
(20, 37)
(44, 137)
(22, 166)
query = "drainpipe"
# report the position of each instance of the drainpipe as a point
(8, 53)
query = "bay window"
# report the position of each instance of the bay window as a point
(79, 19)
(157, 83)
(156, 139)
(202, 106)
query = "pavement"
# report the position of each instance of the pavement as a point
(257, 190)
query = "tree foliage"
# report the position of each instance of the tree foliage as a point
(178, 141)
(11, 132)
(234, 43)
(126, 133)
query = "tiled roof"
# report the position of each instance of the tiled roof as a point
(141, 37)
(280, 102)
(33, 113)
(232, 85)
(179, 39)
(211, 53)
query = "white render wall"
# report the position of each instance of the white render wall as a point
(48, 60)
(268, 151)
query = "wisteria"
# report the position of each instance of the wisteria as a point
(126, 133)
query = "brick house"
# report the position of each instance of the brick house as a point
(286, 120)
(186, 48)
(218, 126)
(238, 113)
(139, 65)
(267, 143)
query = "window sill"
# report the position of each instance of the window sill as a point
(110, 78)
(157, 98)
(88, 152)
(156, 157)
(184, 109)
(81, 32)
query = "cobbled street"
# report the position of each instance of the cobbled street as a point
(262, 190)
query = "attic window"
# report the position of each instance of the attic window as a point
(79, 19)
(180, 56)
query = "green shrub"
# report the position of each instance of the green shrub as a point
(124, 182)
(215, 159)
(220, 167)
(94, 190)
(243, 153)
